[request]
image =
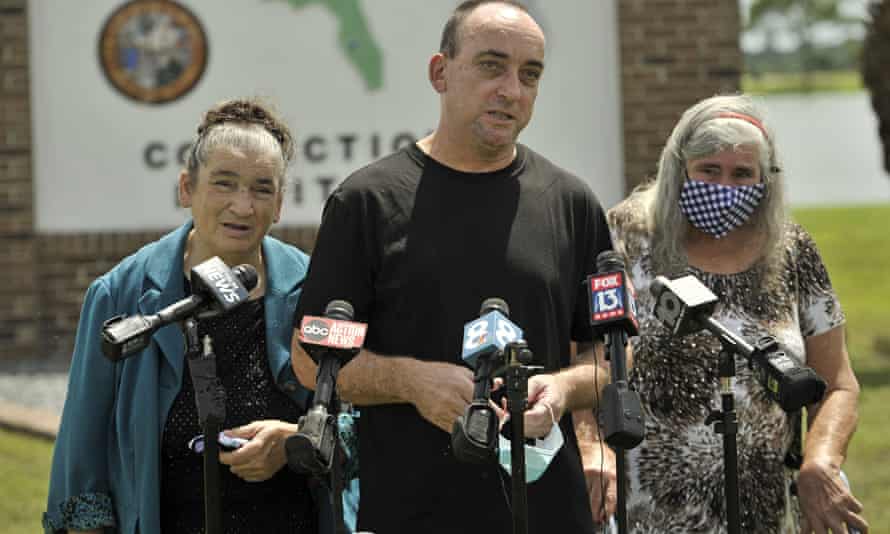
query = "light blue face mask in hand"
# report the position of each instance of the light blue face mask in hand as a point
(537, 456)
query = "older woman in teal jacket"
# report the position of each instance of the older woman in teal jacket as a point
(121, 460)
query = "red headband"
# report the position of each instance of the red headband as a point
(741, 116)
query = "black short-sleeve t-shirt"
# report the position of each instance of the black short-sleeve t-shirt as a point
(415, 247)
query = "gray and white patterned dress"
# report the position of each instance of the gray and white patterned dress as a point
(676, 474)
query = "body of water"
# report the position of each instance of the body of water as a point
(829, 147)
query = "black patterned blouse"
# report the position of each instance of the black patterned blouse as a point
(282, 503)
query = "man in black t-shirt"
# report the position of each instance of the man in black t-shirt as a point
(416, 241)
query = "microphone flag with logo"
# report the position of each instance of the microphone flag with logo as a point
(612, 298)
(490, 332)
(333, 332)
(216, 289)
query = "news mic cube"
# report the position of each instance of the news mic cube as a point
(680, 302)
(487, 334)
(612, 302)
(214, 277)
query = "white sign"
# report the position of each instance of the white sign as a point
(350, 81)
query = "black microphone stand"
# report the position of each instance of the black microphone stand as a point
(474, 435)
(210, 399)
(785, 383)
(516, 373)
(312, 449)
(725, 421)
(619, 403)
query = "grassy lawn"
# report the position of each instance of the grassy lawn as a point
(795, 82)
(24, 472)
(855, 243)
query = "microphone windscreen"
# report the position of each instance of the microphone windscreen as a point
(609, 261)
(494, 304)
(339, 309)
(247, 274)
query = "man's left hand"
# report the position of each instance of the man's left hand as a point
(825, 501)
(263, 455)
(546, 401)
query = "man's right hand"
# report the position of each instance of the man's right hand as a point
(440, 391)
(598, 461)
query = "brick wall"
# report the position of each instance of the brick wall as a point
(18, 298)
(673, 53)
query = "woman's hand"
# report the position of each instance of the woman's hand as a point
(825, 500)
(263, 455)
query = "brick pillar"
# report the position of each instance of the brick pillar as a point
(673, 54)
(18, 301)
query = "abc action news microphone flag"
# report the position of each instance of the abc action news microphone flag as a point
(328, 333)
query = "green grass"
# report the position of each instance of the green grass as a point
(855, 244)
(795, 82)
(24, 476)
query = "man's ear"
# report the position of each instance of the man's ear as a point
(185, 189)
(437, 72)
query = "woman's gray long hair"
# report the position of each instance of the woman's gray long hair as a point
(702, 132)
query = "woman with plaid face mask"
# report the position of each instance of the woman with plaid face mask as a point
(716, 210)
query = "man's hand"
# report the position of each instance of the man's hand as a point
(825, 501)
(261, 457)
(546, 401)
(440, 391)
(598, 461)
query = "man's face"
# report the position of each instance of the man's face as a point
(490, 85)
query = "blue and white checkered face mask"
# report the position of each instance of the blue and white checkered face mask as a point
(719, 209)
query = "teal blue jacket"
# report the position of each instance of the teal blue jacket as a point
(106, 463)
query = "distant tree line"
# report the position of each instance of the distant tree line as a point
(800, 19)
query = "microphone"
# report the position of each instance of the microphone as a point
(489, 333)
(612, 300)
(684, 305)
(331, 341)
(613, 315)
(216, 289)
(680, 303)
(474, 434)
